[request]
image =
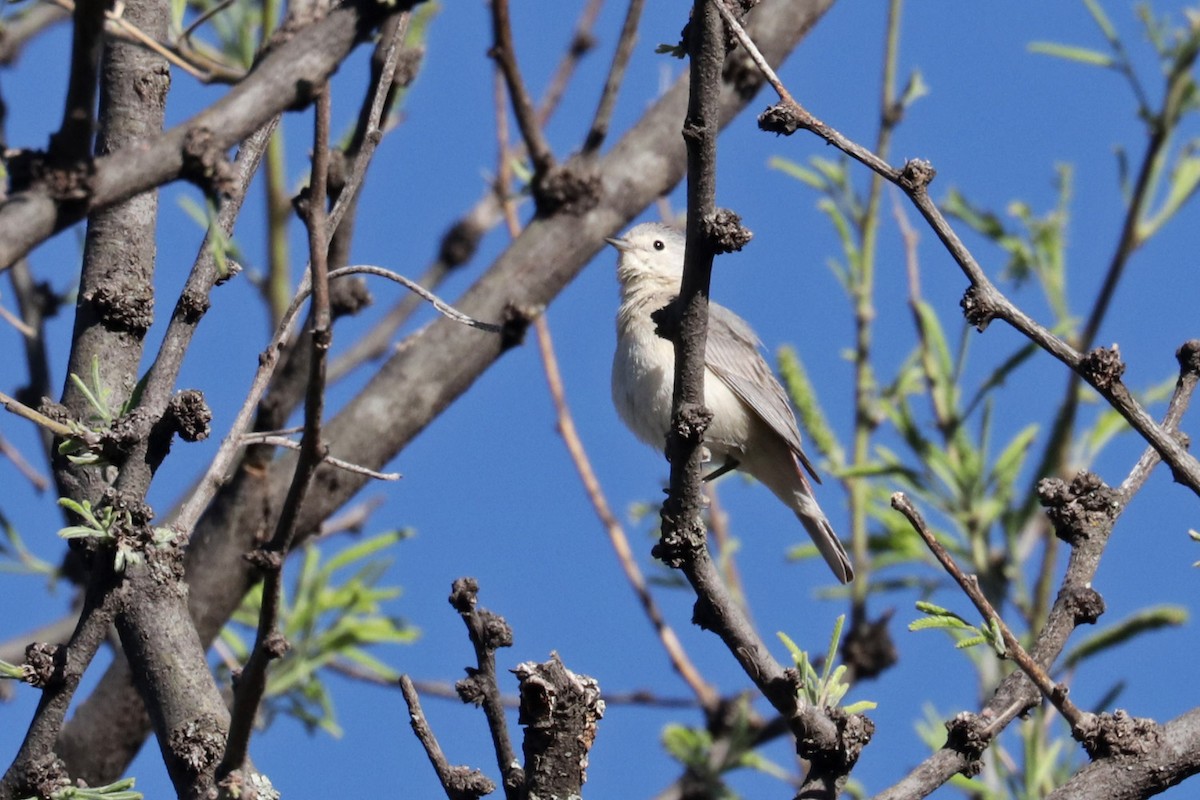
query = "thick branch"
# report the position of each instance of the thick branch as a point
(983, 301)
(283, 79)
(402, 399)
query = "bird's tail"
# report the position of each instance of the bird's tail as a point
(792, 487)
(821, 532)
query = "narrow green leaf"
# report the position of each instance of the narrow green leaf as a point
(935, 336)
(860, 706)
(798, 171)
(793, 649)
(1185, 179)
(363, 550)
(1102, 20)
(970, 641)
(927, 623)
(1008, 464)
(1144, 621)
(831, 655)
(1082, 55)
(914, 90)
(813, 419)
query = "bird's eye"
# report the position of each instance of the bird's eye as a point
(659, 244)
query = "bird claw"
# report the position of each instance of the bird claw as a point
(729, 466)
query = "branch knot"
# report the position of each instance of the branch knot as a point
(1085, 508)
(978, 308)
(784, 119)
(1116, 735)
(725, 232)
(916, 175)
(1102, 367)
(966, 734)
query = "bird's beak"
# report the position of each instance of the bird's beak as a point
(620, 244)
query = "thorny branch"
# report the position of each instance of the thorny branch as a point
(831, 748)
(983, 301)
(1056, 693)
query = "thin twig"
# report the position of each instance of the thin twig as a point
(616, 75)
(283, 441)
(373, 132)
(504, 52)
(17, 323)
(182, 327)
(269, 643)
(214, 477)
(705, 693)
(39, 481)
(488, 632)
(204, 17)
(988, 301)
(452, 778)
(443, 690)
(444, 308)
(121, 28)
(862, 296)
(54, 426)
(582, 41)
(1189, 374)
(468, 228)
(1056, 693)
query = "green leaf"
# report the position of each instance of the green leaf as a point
(1081, 55)
(831, 655)
(798, 171)
(929, 623)
(97, 394)
(1102, 20)
(11, 671)
(1144, 621)
(914, 90)
(970, 641)
(365, 549)
(1185, 179)
(808, 407)
(687, 745)
(1008, 463)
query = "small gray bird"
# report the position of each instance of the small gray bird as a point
(753, 427)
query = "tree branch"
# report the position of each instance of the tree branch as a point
(392, 408)
(282, 79)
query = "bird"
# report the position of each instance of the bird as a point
(753, 427)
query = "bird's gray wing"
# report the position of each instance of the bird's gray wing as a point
(734, 356)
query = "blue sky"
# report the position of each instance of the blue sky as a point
(488, 488)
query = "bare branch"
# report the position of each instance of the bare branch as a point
(460, 783)
(704, 692)
(281, 80)
(269, 643)
(1056, 693)
(616, 74)
(283, 441)
(488, 632)
(504, 52)
(983, 302)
